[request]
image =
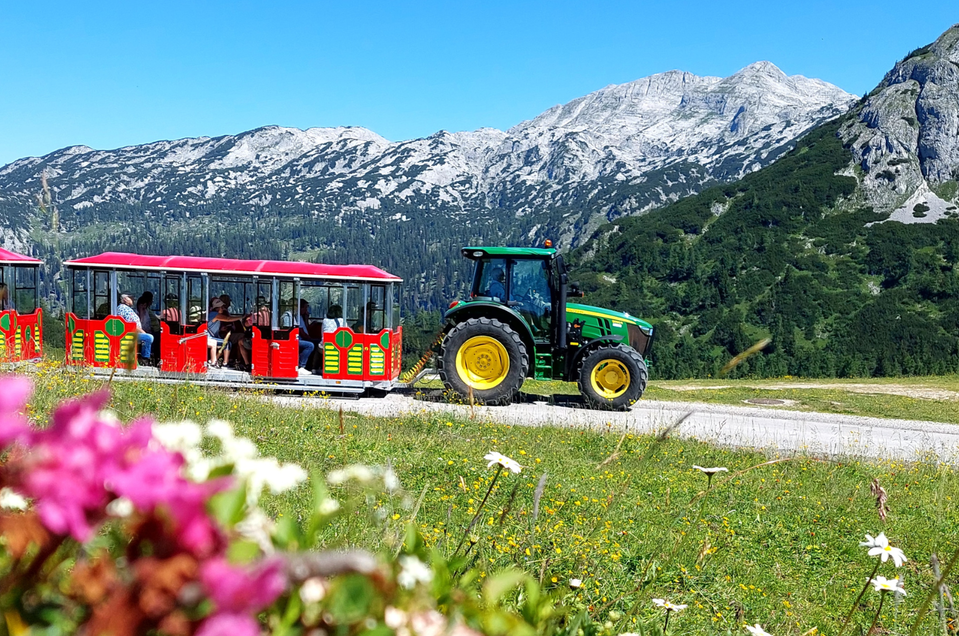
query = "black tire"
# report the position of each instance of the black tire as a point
(622, 355)
(484, 328)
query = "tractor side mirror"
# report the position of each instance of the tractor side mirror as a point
(574, 291)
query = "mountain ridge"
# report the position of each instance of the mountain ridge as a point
(343, 193)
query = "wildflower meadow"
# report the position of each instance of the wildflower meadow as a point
(144, 508)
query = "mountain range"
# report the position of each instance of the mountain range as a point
(347, 194)
(844, 252)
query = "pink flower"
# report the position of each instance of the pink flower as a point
(14, 393)
(194, 528)
(237, 589)
(229, 624)
(152, 479)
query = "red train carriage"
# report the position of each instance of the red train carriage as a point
(350, 314)
(21, 319)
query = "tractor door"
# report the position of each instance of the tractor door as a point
(531, 296)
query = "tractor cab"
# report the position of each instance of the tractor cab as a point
(525, 326)
(521, 282)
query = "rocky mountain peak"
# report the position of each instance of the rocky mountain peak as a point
(906, 136)
(622, 149)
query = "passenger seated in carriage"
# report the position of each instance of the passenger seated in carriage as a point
(5, 303)
(124, 310)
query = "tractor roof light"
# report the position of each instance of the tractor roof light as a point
(548, 243)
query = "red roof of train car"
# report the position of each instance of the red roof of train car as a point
(232, 266)
(12, 258)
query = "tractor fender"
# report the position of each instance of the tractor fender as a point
(480, 309)
(572, 370)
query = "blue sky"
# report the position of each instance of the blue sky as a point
(109, 74)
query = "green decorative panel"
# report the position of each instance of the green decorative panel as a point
(385, 340)
(71, 324)
(5, 321)
(344, 339)
(114, 327)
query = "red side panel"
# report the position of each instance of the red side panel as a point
(183, 348)
(110, 342)
(31, 335)
(275, 357)
(9, 347)
(361, 356)
(284, 355)
(260, 356)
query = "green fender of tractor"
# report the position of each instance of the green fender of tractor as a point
(481, 309)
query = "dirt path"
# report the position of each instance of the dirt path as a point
(921, 392)
(777, 431)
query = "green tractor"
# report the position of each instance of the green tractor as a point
(518, 323)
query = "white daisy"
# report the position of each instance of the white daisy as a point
(413, 571)
(711, 471)
(357, 472)
(502, 460)
(879, 546)
(669, 607)
(882, 584)
(756, 630)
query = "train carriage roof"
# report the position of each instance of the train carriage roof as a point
(12, 258)
(229, 266)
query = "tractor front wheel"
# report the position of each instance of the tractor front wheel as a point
(484, 358)
(613, 377)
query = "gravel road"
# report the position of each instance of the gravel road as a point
(778, 431)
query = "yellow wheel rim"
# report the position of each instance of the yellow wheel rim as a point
(610, 379)
(482, 362)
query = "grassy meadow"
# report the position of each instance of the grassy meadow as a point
(773, 541)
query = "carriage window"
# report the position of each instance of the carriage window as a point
(196, 312)
(287, 304)
(376, 309)
(353, 311)
(79, 296)
(136, 284)
(25, 298)
(170, 292)
(102, 305)
(395, 300)
(240, 293)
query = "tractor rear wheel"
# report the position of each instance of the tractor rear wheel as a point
(483, 357)
(613, 377)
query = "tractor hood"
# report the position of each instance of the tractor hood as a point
(572, 309)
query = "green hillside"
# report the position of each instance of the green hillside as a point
(793, 253)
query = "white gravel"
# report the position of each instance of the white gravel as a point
(773, 430)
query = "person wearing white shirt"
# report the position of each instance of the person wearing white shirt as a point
(334, 319)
